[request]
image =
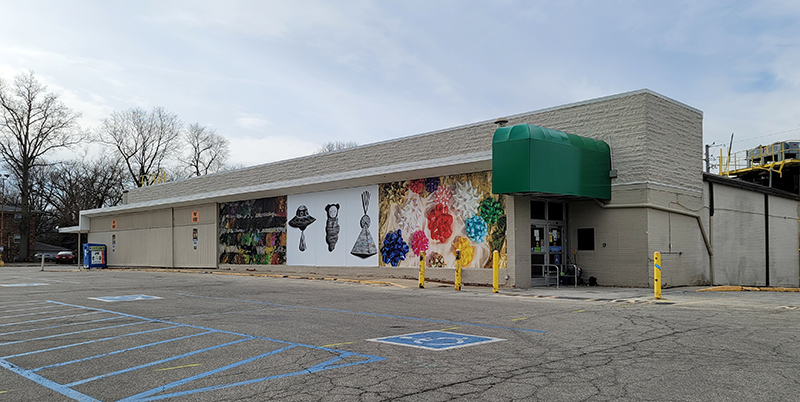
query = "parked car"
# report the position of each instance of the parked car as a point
(47, 256)
(65, 257)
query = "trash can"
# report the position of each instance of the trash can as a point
(94, 255)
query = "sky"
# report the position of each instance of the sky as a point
(280, 78)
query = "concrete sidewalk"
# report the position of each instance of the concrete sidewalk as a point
(593, 293)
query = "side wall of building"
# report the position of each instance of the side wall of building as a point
(194, 240)
(784, 235)
(739, 234)
(159, 238)
(136, 239)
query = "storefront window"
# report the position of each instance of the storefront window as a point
(537, 210)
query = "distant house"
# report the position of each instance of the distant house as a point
(10, 236)
(48, 250)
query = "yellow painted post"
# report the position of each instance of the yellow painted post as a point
(657, 274)
(422, 270)
(495, 271)
(458, 270)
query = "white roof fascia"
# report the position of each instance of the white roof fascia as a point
(71, 229)
(474, 162)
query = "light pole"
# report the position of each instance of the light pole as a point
(2, 216)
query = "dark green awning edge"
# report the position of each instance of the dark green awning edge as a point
(533, 159)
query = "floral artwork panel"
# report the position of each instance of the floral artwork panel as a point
(438, 215)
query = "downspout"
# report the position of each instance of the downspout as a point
(172, 238)
(766, 237)
(665, 209)
(711, 227)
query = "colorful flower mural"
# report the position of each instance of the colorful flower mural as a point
(253, 231)
(439, 215)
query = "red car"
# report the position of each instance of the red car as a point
(65, 257)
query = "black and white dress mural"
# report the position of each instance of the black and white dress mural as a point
(342, 236)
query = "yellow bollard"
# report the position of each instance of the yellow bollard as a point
(458, 269)
(495, 271)
(657, 274)
(422, 270)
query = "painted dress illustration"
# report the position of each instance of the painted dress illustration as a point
(365, 244)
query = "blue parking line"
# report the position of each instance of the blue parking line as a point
(157, 362)
(316, 368)
(22, 303)
(59, 326)
(88, 342)
(61, 389)
(68, 333)
(27, 314)
(66, 389)
(32, 308)
(375, 314)
(174, 384)
(50, 318)
(190, 326)
(121, 351)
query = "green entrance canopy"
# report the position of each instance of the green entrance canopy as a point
(533, 159)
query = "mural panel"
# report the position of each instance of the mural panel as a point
(253, 231)
(333, 228)
(439, 215)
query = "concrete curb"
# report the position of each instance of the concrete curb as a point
(748, 289)
(201, 271)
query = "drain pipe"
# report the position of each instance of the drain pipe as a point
(709, 249)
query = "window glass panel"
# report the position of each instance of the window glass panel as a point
(537, 210)
(555, 212)
(586, 239)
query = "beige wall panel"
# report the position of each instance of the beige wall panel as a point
(205, 256)
(620, 256)
(518, 218)
(684, 258)
(161, 218)
(137, 248)
(784, 258)
(738, 237)
(207, 214)
(674, 144)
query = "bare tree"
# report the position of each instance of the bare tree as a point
(64, 189)
(331, 146)
(33, 122)
(207, 151)
(144, 140)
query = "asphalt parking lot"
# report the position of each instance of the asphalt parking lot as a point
(133, 335)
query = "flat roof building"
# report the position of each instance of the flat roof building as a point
(602, 184)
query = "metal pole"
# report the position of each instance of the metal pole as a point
(495, 271)
(657, 275)
(458, 270)
(2, 217)
(422, 270)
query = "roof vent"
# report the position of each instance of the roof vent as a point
(501, 122)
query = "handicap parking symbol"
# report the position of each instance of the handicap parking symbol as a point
(124, 298)
(436, 340)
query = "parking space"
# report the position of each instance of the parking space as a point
(90, 354)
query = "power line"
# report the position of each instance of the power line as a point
(768, 135)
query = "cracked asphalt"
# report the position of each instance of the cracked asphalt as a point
(558, 345)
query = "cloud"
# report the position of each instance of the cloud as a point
(252, 122)
(256, 151)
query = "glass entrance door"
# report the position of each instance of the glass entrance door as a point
(548, 242)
